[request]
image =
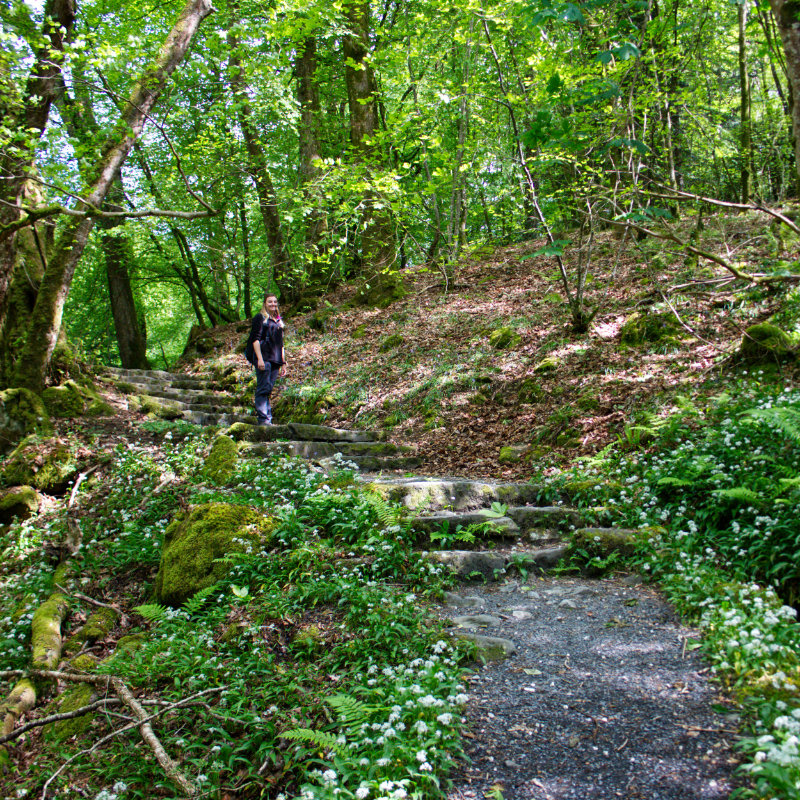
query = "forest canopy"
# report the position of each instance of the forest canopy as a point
(163, 164)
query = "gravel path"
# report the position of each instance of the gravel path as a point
(602, 699)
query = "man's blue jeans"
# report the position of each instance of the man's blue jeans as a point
(265, 380)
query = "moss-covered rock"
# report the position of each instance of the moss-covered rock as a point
(391, 342)
(85, 662)
(128, 645)
(308, 639)
(766, 343)
(504, 338)
(530, 391)
(652, 326)
(64, 401)
(194, 542)
(98, 626)
(359, 332)
(513, 454)
(220, 464)
(22, 413)
(158, 409)
(546, 365)
(19, 502)
(381, 291)
(45, 464)
(72, 699)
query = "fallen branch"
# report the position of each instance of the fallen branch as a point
(81, 478)
(123, 729)
(167, 764)
(78, 712)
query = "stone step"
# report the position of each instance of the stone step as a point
(315, 450)
(371, 463)
(156, 377)
(492, 565)
(457, 494)
(244, 429)
(531, 525)
(191, 397)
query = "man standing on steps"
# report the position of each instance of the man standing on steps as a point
(266, 353)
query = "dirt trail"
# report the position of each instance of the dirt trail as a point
(604, 698)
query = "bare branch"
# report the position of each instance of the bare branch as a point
(78, 712)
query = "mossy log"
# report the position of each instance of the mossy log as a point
(46, 653)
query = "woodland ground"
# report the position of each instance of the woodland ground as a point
(423, 368)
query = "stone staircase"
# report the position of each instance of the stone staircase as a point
(479, 529)
(196, 400)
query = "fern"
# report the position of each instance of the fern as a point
(740, 493)
(152, 612)
(788, 484)
(198, 599)
(387, 513)
(784, 418)
(669, 480)
(349, 709)
(320, 739)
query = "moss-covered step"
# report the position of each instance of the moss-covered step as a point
(194, 398)
(491, 566)
(533, 517)
(457, 494)
(295, 431)
(318, 450)
(492, 527)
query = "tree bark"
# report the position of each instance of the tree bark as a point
(745, 136)
(46, 318)
(28, 118)
(305, 70)
(378, 246)
(258, 169)
(787, 17)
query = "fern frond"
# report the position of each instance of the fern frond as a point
(320, 739)
(741, 494)
(198, 599)
(349, 709)
(152, 612)
(785, 418)
(789, 483)
(668, 480)
(388, 513)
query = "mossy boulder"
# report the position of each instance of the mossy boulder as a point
(391, 342)
(22, 413)
(652, 326)
(45, 464)
(195, 541)
(765, 343)
(504, 338)
(19, 502)
(98, 626)
(359, 332)
(64, 401)
(220, 464)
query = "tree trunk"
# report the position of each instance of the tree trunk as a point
(745, 135)
(305, 69)
(378, 247)
(786, 17)
(46, 318)
(258, 169)
(27, 119)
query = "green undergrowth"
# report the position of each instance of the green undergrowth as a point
(313, 668)
(716, 499)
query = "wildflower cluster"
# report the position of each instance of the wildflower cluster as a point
(717, 497)
(400, 735)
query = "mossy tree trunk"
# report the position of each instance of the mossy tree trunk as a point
(25, 119)
(787, 13)
(378, 246)
(45, 321)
